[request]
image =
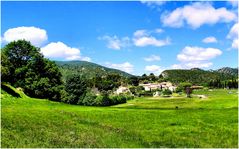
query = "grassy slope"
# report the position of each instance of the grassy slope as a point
(143, 122)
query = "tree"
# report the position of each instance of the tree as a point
(188, 91)
(76, 88)
(186, 87)
(107, 82)
(28, 69)
(134, 81)
(152, 77)
(5, 72)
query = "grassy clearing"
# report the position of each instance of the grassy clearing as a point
(142, 122)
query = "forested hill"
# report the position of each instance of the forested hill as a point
(87, 69)
(229, 71)
(199, 76)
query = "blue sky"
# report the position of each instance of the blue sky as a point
(137, 37)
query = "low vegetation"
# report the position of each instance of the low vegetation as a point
(210, 122)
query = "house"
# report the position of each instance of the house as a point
(160, 86)
(95, 91)
(122, 89)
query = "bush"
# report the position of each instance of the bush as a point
(105, 100)
(146, 93)
(102, 100)
(89, 99)
(167, 92)
(121, 99)
(182, 86)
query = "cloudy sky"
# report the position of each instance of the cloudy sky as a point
(137, 37)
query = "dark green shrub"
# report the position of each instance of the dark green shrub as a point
(75, 87)
(146, 93)
(89, 99)
(103, 99)
(166, 92)
(121, 99)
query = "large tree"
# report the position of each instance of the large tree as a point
(76, 88)
(25, 67)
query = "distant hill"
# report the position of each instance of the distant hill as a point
(199, 76)
(87, 69)
(228, 70)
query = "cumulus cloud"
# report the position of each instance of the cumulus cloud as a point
(150, 41)
(58, 50)
(195, 64)
(196, 15)
(154, 69)
(210, 39)
(115, 43)
(144, 38)
(126, 66)
(233, 35)
(198, 54)
(141, 38)
(35, 35)
(152, 58)
(191, 57)
(141, 33)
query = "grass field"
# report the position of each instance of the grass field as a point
(142, 122)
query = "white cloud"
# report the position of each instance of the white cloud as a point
(198, 54)
(126, 66)
(115, 43)
(154, 69)
(141, 38)
(153, 4)
(149, 3)
(197, 14)
(233, 34)
(210, 39)
(144, 38)
(194, 64)
(35, 35)
(152, 58)
(176, 66)
(159, 30)
(150, 41)
(196, 57)
(233, 31)
(58, 50)
(141, 33)
(235, 43)
(198, 64)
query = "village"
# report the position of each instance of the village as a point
(149, 87)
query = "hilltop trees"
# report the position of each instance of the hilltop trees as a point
(24, 66)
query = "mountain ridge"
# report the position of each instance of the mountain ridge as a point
(88, 69)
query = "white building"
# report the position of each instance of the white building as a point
(155, 86)
(122, 89)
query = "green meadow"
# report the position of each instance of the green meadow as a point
(209, 122)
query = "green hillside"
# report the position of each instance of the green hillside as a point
(143, 122)
(198, 76)
(228, 71)
(88, 69)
